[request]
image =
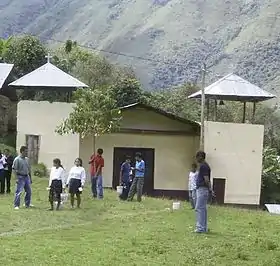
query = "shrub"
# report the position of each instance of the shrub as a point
(270, 177)
(40, 170)
(3, 147)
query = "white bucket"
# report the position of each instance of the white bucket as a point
(176, 205)
(119, 189)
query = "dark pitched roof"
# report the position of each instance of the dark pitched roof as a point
(162, 112)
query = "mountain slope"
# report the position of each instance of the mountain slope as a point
(238, 36)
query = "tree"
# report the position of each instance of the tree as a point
(175, 100)
(4, 45)
(95, 113)
(270, 177)
(126, 91)
(26, 52)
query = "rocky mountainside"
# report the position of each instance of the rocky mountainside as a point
(175, 36)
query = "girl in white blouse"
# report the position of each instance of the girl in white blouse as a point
(76, 181)
(56, 183)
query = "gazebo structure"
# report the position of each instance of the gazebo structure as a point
(234, 88)
(49, 77)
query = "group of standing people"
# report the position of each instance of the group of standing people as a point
(75, 181)
(199, 189)
(131, 178)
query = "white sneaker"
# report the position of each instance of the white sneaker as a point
(16, 208)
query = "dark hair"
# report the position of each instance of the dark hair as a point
(138, 154)
(201, 154)
(80, 160)
(100, 151)
(7, 150)
(22, 149)
(58, 162)
(194, 165)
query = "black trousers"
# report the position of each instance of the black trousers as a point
(5, 180)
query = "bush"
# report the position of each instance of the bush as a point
(40, 170)
(270, 177)
(3, 147)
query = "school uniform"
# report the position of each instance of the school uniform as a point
(56, 183)
(76, 179)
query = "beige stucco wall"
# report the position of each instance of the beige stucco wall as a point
(173, 156)
(41, 118)
(234, 152)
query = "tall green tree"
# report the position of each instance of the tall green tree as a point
(127, 91)
(26, 52)
(175, 100)
(4, 46)
(95, 113)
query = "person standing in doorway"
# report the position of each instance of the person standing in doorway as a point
(203, 186)
(192, 185)
(2, 176)
(76, 181)
(8, 170)
(22, 170)
(97, 164)
(125, 178)
(138, 180)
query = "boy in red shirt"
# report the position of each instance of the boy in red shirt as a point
(96, 164)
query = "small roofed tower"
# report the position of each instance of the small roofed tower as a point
(49, 78)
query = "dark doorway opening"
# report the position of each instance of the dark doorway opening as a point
(219, 186)
(148, 156)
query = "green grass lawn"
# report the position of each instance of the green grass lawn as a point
(115, 233)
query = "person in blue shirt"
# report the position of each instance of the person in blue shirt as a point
(138, 180)
(203, 187)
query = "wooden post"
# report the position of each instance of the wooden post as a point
(207, 107)
(254, 112)
(215, 110)
(202, 108)
(244, 112)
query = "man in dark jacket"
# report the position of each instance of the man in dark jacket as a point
(8, 169)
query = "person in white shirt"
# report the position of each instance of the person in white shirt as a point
(2, 176)
(192, 185)
(76, 181)
(56, 183)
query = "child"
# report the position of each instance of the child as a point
(192, 185)
(76, 181)
(56, 183)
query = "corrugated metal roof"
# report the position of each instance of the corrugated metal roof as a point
(48, 75)
(5, 70)
(234, 88)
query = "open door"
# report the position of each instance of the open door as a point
(120, 154)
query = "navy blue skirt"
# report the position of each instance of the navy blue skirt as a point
(74, 185)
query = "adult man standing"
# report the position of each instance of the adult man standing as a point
(97, 163)
(8, 169)
(138, 180)
(22, 170)
(203, 186)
